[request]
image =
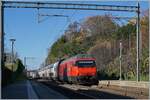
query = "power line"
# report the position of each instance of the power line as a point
(49, 15)
(69, 20)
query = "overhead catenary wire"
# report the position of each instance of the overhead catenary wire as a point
(70, 18)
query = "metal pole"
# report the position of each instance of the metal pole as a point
(12, 54)
(120, 58)
(1, 34)
(25, 66)
(49, 5)
(12, 51)
(25, 62)
(138, 41)
(1, 40)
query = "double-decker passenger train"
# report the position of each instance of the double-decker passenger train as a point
(80, 69)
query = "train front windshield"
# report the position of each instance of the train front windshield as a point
(86, 63)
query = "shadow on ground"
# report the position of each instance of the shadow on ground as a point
(103, 95)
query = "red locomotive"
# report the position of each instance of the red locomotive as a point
(79, 69)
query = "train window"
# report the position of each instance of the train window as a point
(86, 63)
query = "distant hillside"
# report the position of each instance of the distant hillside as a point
(100, 36)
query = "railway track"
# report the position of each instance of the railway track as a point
(80, 92)
(68, 92)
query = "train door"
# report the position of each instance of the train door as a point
(65, 76)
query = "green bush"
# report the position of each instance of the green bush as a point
(9, 76)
